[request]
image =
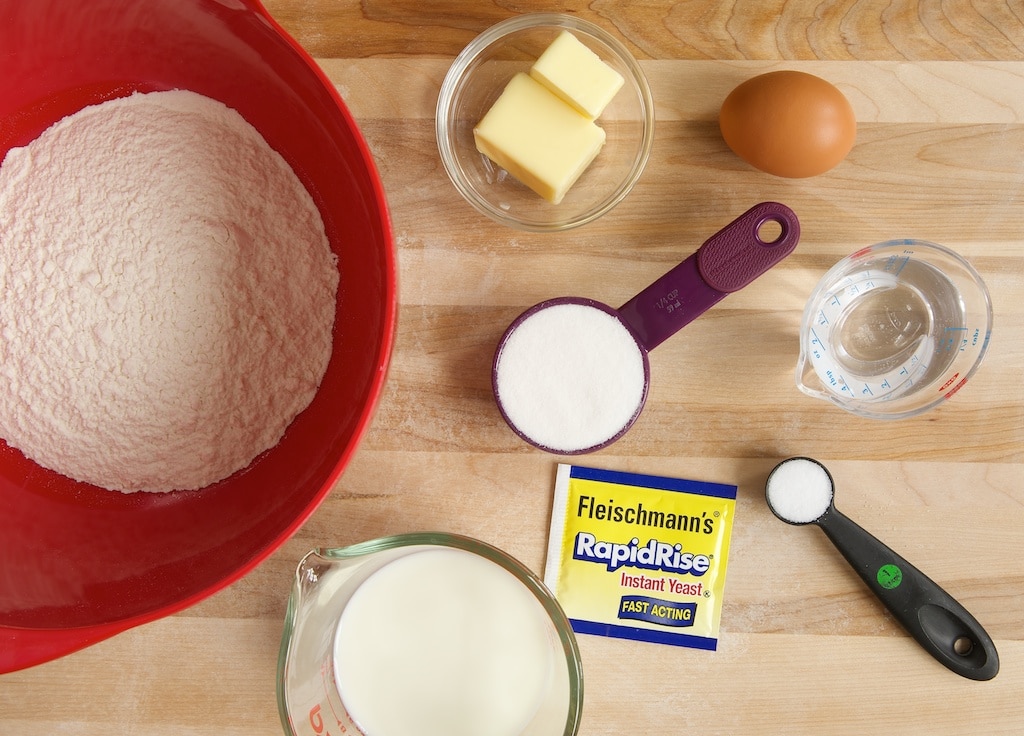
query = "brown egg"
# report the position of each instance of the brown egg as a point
(788, 123)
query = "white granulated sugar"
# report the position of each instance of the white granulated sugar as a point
(799, 491)
(570, 377)
(167, 294)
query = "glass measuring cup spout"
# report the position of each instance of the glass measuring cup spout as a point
(727, 261)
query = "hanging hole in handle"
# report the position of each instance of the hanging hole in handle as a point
(770, 230)
(963, 646)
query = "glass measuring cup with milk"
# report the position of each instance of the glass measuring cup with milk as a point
(433, 634)
(894, 329)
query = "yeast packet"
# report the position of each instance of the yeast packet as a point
(640, 557)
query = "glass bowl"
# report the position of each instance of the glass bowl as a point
(476, 79)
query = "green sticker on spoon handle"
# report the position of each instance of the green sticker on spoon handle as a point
(889, 576)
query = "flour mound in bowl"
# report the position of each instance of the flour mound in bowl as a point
(167, 294)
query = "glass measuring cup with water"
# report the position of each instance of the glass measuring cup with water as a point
(894, 329)
(427, 633)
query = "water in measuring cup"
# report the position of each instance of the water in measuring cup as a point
(887, 327)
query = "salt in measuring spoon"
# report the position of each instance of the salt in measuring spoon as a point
(800, 491)
(570, 375)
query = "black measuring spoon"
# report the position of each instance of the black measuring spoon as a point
(800, 491)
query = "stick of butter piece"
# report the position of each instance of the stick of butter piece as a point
(577, 75)
(537, 138)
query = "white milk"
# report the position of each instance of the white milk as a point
(442, 642)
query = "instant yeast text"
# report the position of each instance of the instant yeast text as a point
(640, 557)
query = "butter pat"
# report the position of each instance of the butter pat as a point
(577, 75)
(537, 138)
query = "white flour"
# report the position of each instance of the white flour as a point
(167, 294)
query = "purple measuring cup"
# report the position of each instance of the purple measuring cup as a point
(570, 375)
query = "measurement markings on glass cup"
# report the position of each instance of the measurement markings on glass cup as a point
(958, 342)
(892, 260)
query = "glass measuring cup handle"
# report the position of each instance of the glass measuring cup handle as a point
(932, 616)
(729, 260)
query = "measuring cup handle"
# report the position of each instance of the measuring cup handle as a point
(932, 616)
(729, 260)
(737, 254)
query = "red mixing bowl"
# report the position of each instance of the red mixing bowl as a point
(78, 563)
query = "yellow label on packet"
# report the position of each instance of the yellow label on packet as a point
(640, 556)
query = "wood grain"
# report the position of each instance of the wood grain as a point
(938, 90)
(687, 30)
